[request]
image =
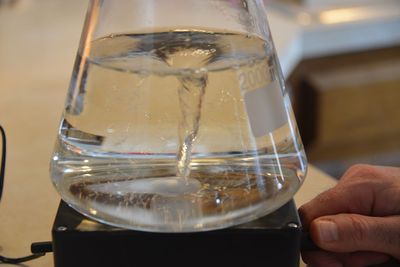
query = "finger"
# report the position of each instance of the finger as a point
(371, 171)
(340, 199)
(353, 232)
(364, 189)
(361, 259)
(321, 259)
(356, 259)
(383, 184)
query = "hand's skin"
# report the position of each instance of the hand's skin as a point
(357, 222)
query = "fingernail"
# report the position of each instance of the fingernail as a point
(328, 231)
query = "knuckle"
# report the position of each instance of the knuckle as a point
(362, 171)
(372, 233)
(358, 229)
(329, 195)
(388, 235)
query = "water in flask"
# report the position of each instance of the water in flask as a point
(166, 132)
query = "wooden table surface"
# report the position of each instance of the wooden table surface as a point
(38, 43)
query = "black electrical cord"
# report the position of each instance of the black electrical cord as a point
(38, 249)
(3, 159)
(20, 260)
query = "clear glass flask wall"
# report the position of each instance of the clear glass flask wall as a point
(177, 118)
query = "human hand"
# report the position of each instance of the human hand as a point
(356, 223)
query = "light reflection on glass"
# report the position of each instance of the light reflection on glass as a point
(93, 212)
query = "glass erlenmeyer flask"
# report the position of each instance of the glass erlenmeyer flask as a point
(177, 118)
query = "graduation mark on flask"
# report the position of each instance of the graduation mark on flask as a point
(263, 99)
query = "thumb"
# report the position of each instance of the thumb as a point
(353, 232)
